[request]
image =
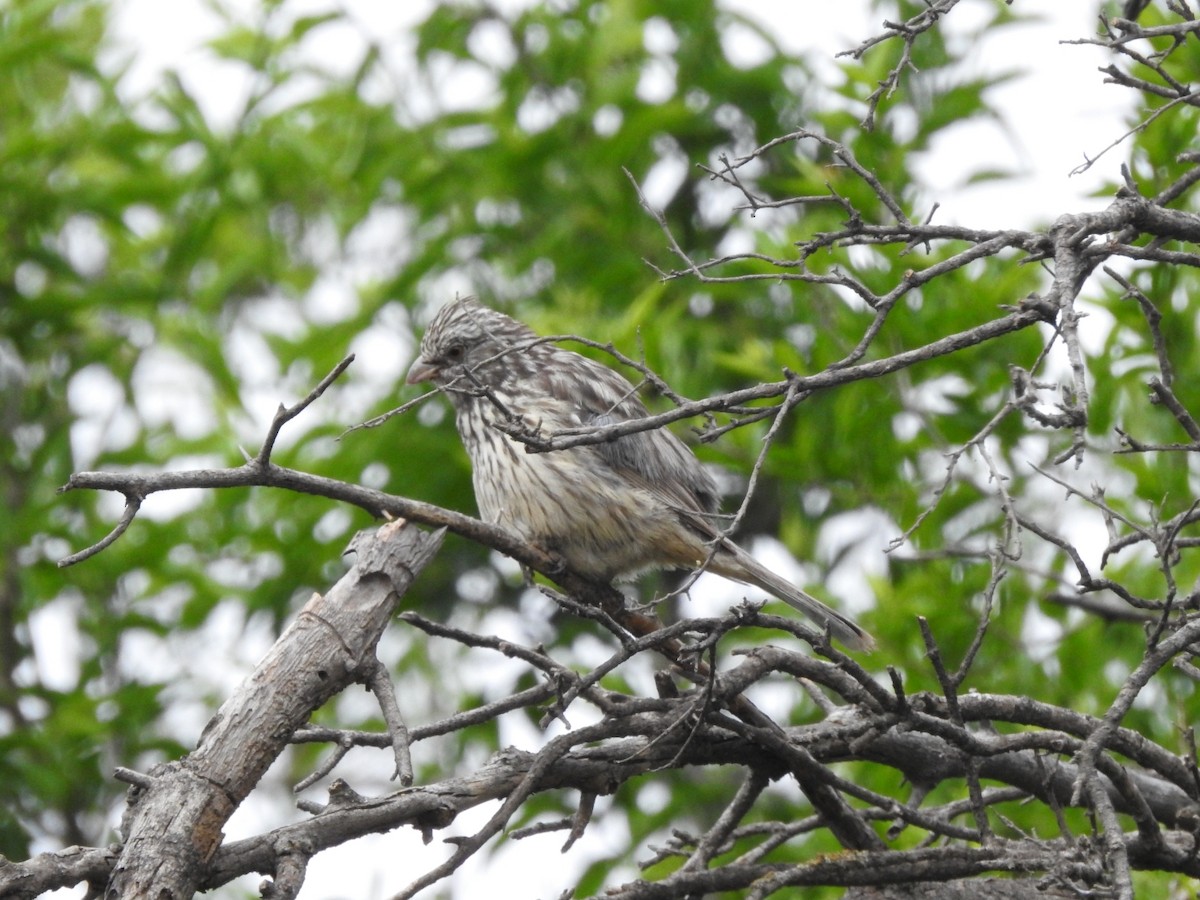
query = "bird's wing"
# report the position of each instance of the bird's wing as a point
(656, 458)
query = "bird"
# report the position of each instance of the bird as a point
(608, 510)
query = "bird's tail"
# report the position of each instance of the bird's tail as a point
(735, 563)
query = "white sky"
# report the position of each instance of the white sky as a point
(1056, 114)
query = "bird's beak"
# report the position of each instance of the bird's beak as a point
(422, 370)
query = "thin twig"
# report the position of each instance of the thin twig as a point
(285, 414)
(379, 681)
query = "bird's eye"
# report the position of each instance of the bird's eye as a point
(455, 352)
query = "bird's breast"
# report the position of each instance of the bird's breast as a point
(565, 501)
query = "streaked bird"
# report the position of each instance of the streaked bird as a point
(609, 510)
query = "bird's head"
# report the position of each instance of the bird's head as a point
(468, 345)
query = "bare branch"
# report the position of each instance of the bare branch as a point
(133, 502)
(380, 682)
(285, 414)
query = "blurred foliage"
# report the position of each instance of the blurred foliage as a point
(170, 275)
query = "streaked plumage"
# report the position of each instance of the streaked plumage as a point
(609, 509)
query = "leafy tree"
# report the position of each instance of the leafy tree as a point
(971, 399)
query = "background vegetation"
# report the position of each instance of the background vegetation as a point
(165, 281)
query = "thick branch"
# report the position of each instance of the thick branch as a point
(175, 825)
